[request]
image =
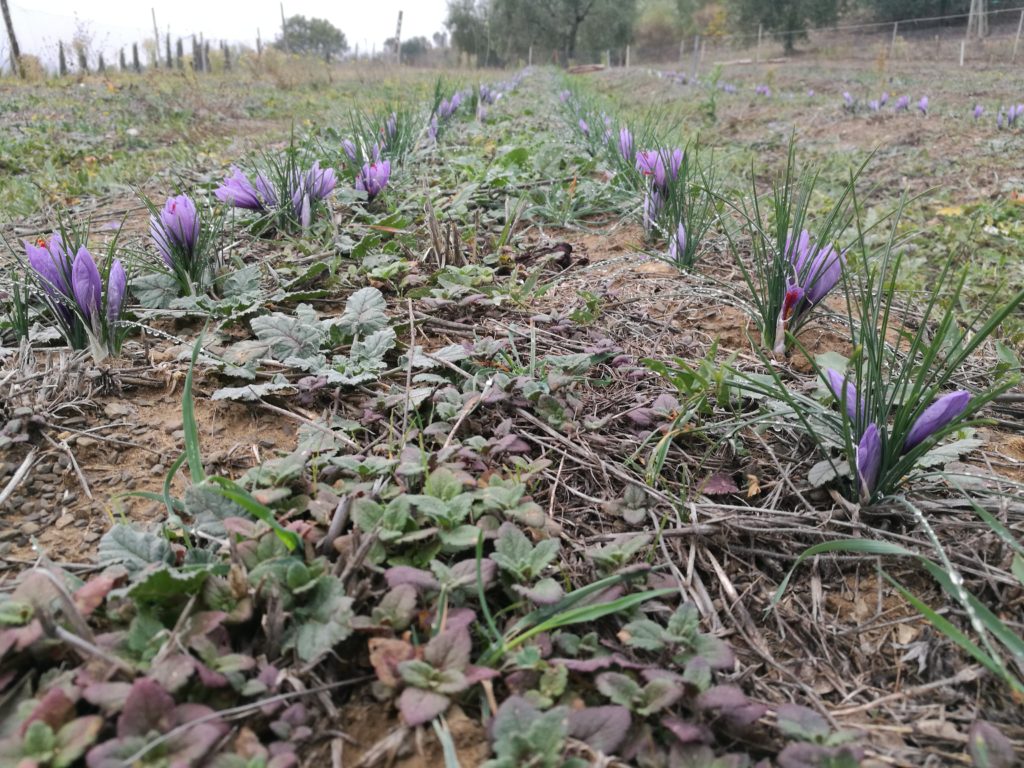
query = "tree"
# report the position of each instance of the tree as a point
(312, 37)
(414, 49)
(788, 17)
(508, 28)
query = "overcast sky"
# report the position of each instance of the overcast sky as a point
(114, 23)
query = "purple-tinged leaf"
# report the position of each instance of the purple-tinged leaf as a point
(449, 650)
(807, 755)
(114, 753)
(686, 732)
(719, 484)
(800, 722)
(598, 662)
(544, 592)
(475, 675)
(619, 688)
(109, 697)
(464, 572)
(419, 706)
(458, 618)
(189, 747)
(55, 708)
(148, 708)
(722, 697)
(988, 747)
(405, 574)
(602, 728)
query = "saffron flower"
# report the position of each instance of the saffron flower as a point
(885, 98)
(922, 105)
(869, 461)
(319, 182)
(239, 192)
(847, 100)
(372, 178)
(52, 263)
(978, 111)
(349, 148)
(677, 245)
(874, 106)
(846, 393)
(815, 272)
(117, 287)
(625, 143)
(391, 126)
(432, 128)
(86, 285)
(175, 231)
(902, 104)
(651, 163)
(939, 414)
(584, 128)
(652, 208)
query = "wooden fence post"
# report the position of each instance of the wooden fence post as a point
(627, 57)
(16, 66)
(757, 53)
(892, 44)
(1016, 40)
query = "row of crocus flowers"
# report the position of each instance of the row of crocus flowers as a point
(87, 300)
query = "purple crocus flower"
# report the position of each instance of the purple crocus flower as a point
(349, 148)
(456, 101)
(922, 105)
(391, 126)
(86, 285)
(52, 263)
(563, 96)
(902, 104)
(677, 245)
(176, 228)
(848, 100)
(869, 461)
(846, 393)
(874, 106)
(625, 143)
(978, 111)
(432, 128)
(885, 98)
(239, 192)
(266, 190)
(936, 416)
(651, 163)
(319, 181)
(584, 128)
(817, 270)
(372, 178)
(481, 112)
(810, 93)
(652, 208)
(117, 287)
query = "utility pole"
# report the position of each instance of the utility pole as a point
(15, 50)
(398, 40)
(156, 41)
(284, 31)
(977, 22)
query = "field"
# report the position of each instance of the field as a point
(452, 448)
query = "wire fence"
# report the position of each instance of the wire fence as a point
(942, 40)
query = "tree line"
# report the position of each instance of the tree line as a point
(499, 31)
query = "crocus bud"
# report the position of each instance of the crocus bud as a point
(869, 461)
(117, 286)
(86, 285)
(846, 393)
(939, 414)
(626, 143)
(349, 148)
(677, 245)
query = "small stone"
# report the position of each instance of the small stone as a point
(171, 426)
(158, 469)
(63, 462)
(65, 520)
(178, 434)
(84, 441)
(30, 529)
(91, 536)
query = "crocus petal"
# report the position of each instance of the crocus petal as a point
(349, 147)
(823, 274)
(48, 269)
(846, 393)
(936, 416)
(869, 461)
(625, 143)
(86, 284)
(677, 247)
(238, 191)
(161, 241)
(117, 285)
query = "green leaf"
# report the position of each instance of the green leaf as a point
(240, 496)
(364, 313)
(134, 549)
(620, 689)
(38, 741)
(323, 622)
(287, 336)
(74, 738)
(165, 583)
(254, 392)
(155, 291)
